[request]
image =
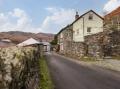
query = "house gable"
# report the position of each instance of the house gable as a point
(87, 24)
(87, 13)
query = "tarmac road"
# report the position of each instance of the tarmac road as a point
(67, 74)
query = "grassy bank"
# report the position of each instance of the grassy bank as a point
(88, 59)
(45, 79)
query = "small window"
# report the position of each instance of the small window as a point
(77, 31)
(74, 32)
(89, 29)
(90, 16)
(61, 47)
(61, 35)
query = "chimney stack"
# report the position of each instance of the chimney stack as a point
(76, 16)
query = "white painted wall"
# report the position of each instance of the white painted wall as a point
(96, 26)
(78, 26)
(47, 46)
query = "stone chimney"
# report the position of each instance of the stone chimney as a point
(76, 16)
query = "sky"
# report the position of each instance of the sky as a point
(48, 16)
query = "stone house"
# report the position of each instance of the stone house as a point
(112, 20)
(112, 26)
(86, 36)
(86, 24)
(71, 38)
(64, 38)
(106, 43)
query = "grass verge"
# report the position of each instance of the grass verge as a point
(45, 79)
(116, 57)
(88, 59)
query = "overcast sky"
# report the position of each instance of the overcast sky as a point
(47, 16)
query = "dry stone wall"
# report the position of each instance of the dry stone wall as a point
(94, 45)
(74, 49)
(97, 45)
(19, 68)
(103, 44)
(114, 43)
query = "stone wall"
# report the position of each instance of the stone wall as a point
(74, 49)
(94, 45)
(97, 45)
(114, 43)
(103, 44)
(19, 68)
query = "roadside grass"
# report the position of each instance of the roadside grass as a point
(116, 57)
(88, 59)
(45, 78)
(83, 58)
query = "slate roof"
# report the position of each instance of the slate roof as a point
(87, 13)
(113, 13)
(78, 19)
(30, 41)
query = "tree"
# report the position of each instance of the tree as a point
(54, 42)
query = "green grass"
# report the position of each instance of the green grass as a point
(88, 59)
(116, 57)
(45, 79)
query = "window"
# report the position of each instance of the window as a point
(90, 16)
(89, 29)
(61, 47)
(74, 32)
(77, 31)
(61, 35)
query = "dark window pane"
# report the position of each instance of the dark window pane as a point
(89, 29)
(90, 17)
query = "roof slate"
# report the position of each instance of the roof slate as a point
(78, 19)
(113, 13)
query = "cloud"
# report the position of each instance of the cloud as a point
(16, 20)
(19, 20)
(51, 9)
(111, 5)
(59, 18)
(23, 19)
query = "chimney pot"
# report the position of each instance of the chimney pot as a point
(76, 16)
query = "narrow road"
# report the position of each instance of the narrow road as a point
(70, 75)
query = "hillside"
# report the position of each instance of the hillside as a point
(17, 36)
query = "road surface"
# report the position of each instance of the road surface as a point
(67, 74)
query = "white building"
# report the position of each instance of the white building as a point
(86, 24)
(47, 46)
(29, 42)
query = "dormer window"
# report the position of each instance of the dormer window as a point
(90, 16)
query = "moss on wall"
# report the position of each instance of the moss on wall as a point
(19, 68)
